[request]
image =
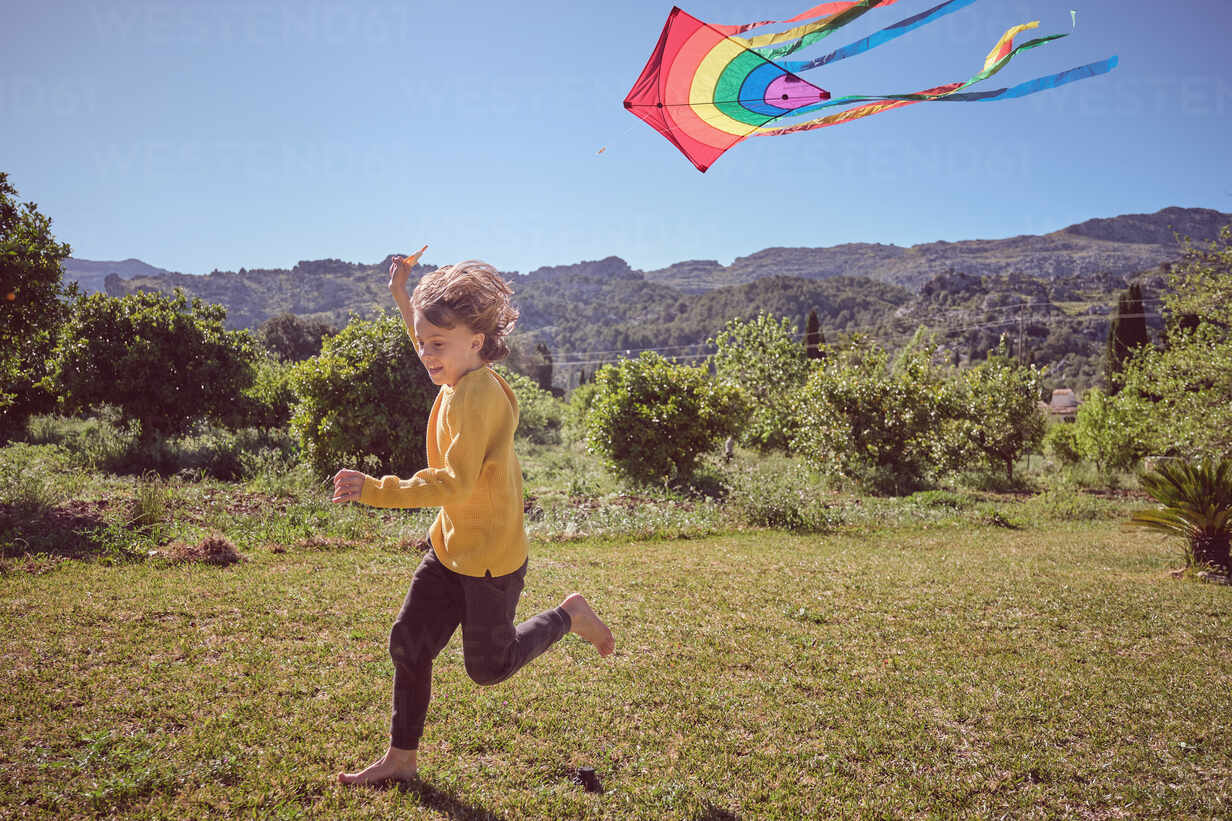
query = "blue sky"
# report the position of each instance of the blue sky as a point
(231, 134)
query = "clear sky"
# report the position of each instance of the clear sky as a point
(256, 133)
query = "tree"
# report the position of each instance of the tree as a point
(1107, 430)
(814, 337)
(292, 338)
(1182, 392)
(32, 308)
(364, 401)
(762, 358)
(1201, 282)
(651, 419)
(861, 420)
(543, 373)
(997, 409)
(1126, 335)
(162, 361)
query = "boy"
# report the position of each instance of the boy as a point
(458, 318)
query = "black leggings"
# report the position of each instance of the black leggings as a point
(494, 649)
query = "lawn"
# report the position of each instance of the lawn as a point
(1055, 670)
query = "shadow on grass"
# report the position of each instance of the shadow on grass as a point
(74, 530)
(446, 803)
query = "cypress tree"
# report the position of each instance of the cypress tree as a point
(1126, 334)
(813, 337)
(543, 371)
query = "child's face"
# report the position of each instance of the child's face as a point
(448, 353)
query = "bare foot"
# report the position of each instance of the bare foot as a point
(395, 765)
(587, 625)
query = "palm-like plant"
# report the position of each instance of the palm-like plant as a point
(1196, 502)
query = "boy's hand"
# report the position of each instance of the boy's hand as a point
(400, 269)
(347, 485)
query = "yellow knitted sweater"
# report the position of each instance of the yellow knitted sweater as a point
(472, 474)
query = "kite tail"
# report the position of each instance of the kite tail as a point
(823, 10)
(797, 38)
(887, 34)
(997, 59)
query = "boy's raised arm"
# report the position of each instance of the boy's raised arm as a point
(399, 273)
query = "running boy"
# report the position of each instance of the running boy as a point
(458, 318)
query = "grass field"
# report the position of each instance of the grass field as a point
(1051, 671)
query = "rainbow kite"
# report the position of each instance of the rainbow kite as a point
(706, 88)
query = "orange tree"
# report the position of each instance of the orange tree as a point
(363, 402)
(162, 361)
(651, 419)
(32, 307)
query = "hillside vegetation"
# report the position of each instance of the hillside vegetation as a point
(1051, 293)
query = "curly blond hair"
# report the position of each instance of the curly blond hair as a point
(475, 294)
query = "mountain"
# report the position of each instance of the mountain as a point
(331, 289)
(1122, 246)
(91, 274)
(1051, 292)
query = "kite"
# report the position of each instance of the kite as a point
(707, 87)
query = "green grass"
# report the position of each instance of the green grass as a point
(940, 669)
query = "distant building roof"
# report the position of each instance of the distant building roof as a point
(1063, 403)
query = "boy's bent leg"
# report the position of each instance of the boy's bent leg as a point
(429, 616)
(494, 649)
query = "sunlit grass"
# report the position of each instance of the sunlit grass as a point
(923, 671)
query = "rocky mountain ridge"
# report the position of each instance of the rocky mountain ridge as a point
(331, 289)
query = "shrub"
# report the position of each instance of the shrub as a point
(1061, 445)
(269, 401)
(996, 411)
(1196, 504)
(1108, 430)
(540, 415)
(1070, 505)
(163, 362)
(860, 420)
(364, 401)
(651, 419)
(781, 496)
(763, 358)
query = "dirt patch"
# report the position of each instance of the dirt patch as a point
(71, 530)
(214, 549)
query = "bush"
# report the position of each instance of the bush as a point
(163, 362)
(364, 401)
(269, 401)
(1061, 445)
(861, 421)
(1195, 503)
(996, 411)
(540, 415)
(651, 420)
(763, 358)
(1108, 430)
(1070, 505)
(782, 496)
